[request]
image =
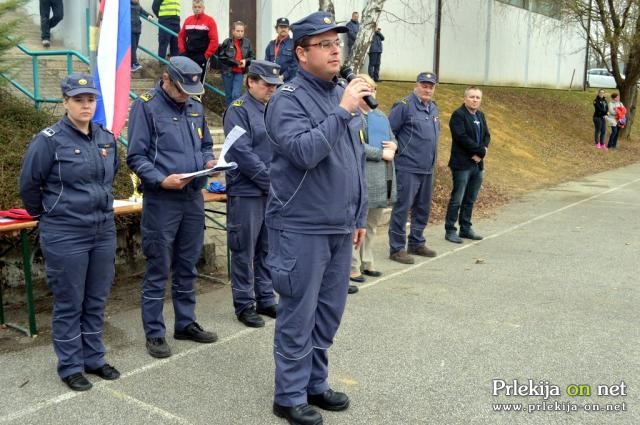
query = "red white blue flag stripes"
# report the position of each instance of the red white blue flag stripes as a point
(113, 68)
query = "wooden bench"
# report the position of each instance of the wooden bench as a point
(25, 228)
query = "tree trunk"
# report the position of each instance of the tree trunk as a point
(368, 25)
(629, 98)
(327, 6)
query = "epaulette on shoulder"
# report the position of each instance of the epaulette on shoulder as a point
(49, 131)
(405, 100)
(238, 102)
(147, 96)
(197, 98)
(288, 88)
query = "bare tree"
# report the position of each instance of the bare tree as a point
(612, 29)
(327, 6)
(368, 25)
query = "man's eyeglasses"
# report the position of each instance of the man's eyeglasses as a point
(327, 44)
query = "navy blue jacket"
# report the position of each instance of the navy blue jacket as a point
(376, 43)
(317, 171)
(464, 139)
(417, 128)
(354, 28)
(67, 177)
(286, 57)
(165, 138)
(252, 151)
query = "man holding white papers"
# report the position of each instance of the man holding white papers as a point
(168, 136)
(247, 190)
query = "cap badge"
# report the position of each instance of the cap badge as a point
(326, 20)
(82, 82)
(275, 71)
(194, 78)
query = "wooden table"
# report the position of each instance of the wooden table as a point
(120, 207)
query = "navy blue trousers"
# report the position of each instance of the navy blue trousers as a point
(80, 270)
(310, 272)
(172, 237)
(414, 194)
(248, 241)
(51, 13)
(167, 40)
(466, 185)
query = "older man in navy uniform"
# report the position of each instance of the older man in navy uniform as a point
(316, 211)
(281, 52)
(168, 136)
(247, 190)
(415, 122)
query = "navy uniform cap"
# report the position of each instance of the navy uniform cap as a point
(186, 74)
(79, 83)
(427, 77)
(282, 22)
(316, 23)
(268, 71)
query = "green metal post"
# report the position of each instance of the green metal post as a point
(36, 82)
(26, 266)
(69, 64)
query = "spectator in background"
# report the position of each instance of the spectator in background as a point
(247, 191)
(470, 139)
(354, 26)
(379, 148)
(375, 52)
(136, 29)
(234, 54)
(198, 38)
(67, 182)
(612, 120)
(168, 13)
(280, 50)
(600, 110)
(415, 122)
(48, 21)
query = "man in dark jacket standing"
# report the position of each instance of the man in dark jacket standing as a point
(280, 51)
(354, 26)
(168, 13)
(375, 52)
(470, 139)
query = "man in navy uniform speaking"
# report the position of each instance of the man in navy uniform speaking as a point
(316, 211)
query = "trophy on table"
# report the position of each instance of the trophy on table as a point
(136, 196)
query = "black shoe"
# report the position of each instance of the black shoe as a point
(352, 289)
(470, 234)
(372, 273)
(302, 414)
(453, 237)
(194, 332)
(358, 279)
(106, 371)
(158, 348)
(329, 400)
(77, 382)
(250, 318)
(270, 311)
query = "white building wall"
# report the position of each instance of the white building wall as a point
(482, 41)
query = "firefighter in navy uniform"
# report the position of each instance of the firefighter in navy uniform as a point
(316, 212)
(247, 190)
(168, 136)
(66, 182)
(281, 52)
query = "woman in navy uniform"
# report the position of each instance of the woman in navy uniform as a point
(66, 182)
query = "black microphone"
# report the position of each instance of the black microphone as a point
(347, 74)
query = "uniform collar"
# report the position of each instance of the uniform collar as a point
(318, 82)
(169, 100)
(70, 125)
(255, 101)
(418, 102)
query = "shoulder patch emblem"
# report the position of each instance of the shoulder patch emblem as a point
(48, 132)
(405, 100)
(288, 87)
(147, 96)
(196, 98)
(237, 102)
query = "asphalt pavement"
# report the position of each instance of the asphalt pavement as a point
(539, 319)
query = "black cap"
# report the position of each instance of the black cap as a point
(78, 83)
(316, 23)
(268, 71)
(282, 22)
(186, 74)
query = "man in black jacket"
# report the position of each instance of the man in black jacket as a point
(470, 139)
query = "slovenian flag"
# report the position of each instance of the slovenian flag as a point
(113, 67)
